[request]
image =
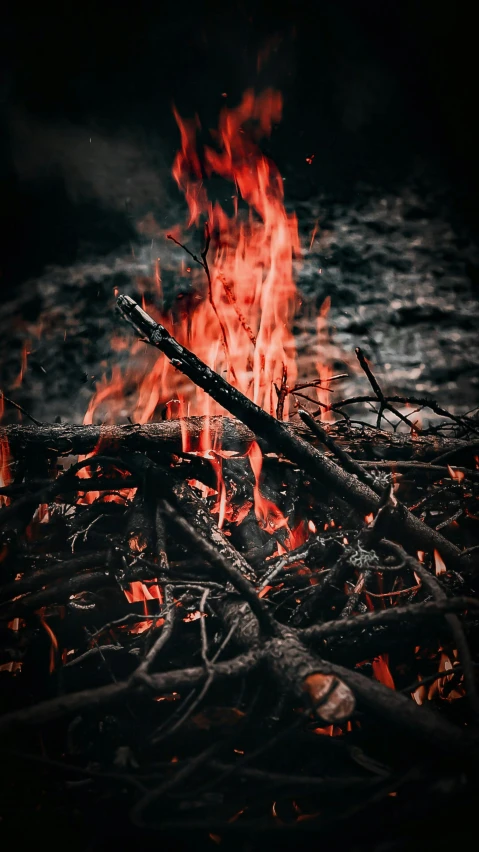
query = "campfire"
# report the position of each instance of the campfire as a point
(234, 599)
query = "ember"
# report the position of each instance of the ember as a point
(227, 588)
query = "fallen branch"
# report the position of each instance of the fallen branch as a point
(69, 439)
(279, 439)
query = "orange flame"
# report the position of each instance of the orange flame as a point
(438, 687)
(23, 365)
(238, 311)
(382, 672)
(140, 592)
(324, 369)
(457, 475)
(267, 513)
(5, 474)
(240, 323)
(439, 563)
(53, 643)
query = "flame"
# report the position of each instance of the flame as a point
(137, 543)
(141, 626)
(5, 474)
(457, 475)
(439, 563)
(23, 366)
(420, 694)
(252, 295)
(382, 672)
(237, 312)
(269, 516)
(239, 321)
(313, 234)
(330, 731)
(324, 370)
(438, 687)
(140, 592)
(53, 643)
(297, 536)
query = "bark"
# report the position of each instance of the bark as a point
(367, 443)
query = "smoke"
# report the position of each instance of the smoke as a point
(121, 171)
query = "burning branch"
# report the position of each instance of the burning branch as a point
(279, 439)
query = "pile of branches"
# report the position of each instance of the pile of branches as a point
(162, 670)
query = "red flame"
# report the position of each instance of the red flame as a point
(238, 313)
(382, 672)
(240, 323)
(457, 475)
(439, 564)
(53, 643)
(267, 513)
(5, 474)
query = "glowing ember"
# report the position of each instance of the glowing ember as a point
(440, 686)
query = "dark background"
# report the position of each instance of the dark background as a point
(376, 91)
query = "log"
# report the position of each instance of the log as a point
(366, 443)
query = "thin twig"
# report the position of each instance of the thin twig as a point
(20, 409)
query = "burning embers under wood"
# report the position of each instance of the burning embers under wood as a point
(222, 606)
(237, 597)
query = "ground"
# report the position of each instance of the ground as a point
(401, 275)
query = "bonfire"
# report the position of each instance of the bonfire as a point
(235, 600)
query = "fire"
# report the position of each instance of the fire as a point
(5, 474)
(240, 302)
(382, 672)
(238, 319)
(267, 513)
(420, 694)
(140, 592)
(23, 366)
(251, 273)
(457, 475)
(324, 369)
(439, 564)
(439, 686)
(53, 643)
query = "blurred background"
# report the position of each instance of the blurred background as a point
(374, 90)
(378, 127)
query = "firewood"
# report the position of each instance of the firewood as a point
(279, 439)
(197, 648)
(366, 443)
